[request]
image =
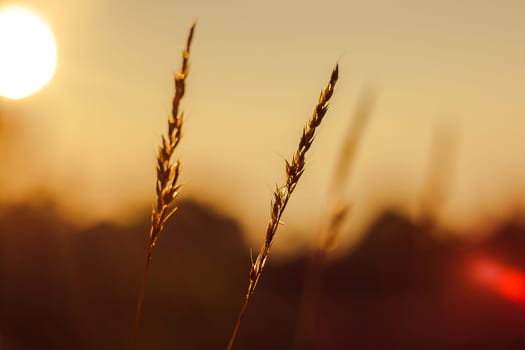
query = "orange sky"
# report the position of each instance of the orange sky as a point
(257, 68)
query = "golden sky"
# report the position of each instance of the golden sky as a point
(257, 69)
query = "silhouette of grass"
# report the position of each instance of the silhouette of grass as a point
(338, 211)
(282, 194)
(168, 172)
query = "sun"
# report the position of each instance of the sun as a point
(27, 52)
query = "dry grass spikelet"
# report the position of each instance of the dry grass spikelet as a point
(294, 170)
(168, 172)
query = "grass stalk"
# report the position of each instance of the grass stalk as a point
(338, 206)
(294, 170)
(338, 211)
(166, 186)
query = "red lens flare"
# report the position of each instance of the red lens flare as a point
(506, 281)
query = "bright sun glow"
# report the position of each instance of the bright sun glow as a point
(27, 52)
